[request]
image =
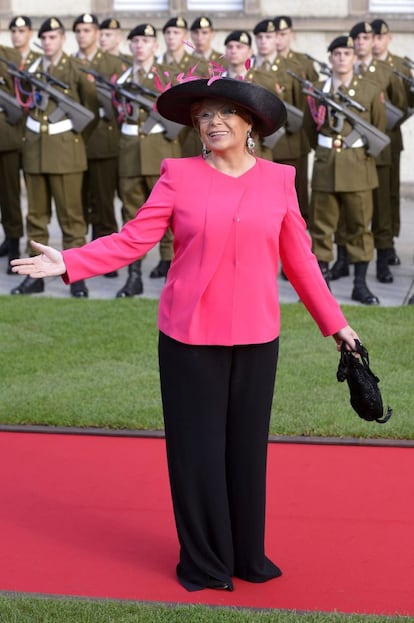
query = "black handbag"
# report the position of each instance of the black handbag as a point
(365, 396)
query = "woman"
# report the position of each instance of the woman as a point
(234, 217)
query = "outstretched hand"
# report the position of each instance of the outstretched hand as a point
(48, 264)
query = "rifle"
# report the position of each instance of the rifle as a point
(135, 97)
(78, 114)
(323, 67)
(10, 105)
(293, 124)
(375, 140)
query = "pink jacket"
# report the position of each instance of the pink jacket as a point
(229, 235)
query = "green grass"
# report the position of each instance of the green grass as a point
(35, 610)
(94, 364)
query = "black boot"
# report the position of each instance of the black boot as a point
(361, 291)
(133, 285)
(161, 269)
(4, 247)
(341, 266)
(326, 273)
(14, 253)
(29, 286)
(79, 290)
(393, 259)
(384, 275)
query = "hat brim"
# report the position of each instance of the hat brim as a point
(267, 110)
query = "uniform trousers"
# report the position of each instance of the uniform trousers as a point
(217, 404)
(66, 191)
(134, 191)
(352, 211)
(395, 191)
(11, 214)
(382, 219)
(99, 186)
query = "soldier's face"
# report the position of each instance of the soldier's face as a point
(175, 38)
(143, 48)
(363, 44)
(237, 53)
(52, 42)
(20, 36)
(266, 43)
(86, 35)
(202, 38)
(380, 44)
(284, 40)
(109, 39)
(342, 61)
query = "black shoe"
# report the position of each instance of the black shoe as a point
(29, 285)
(133, 286)
(362, 294)
(4, 248)
(111, 275)
(79, 290)
(411, 300)
(161, 269)
(393, 259)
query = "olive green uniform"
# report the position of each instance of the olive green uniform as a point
(393, 89)
(396, 63)
(343, 178)
(290, 147)
(54, 159)
(140, 158)
(101, 178)
(10, 149)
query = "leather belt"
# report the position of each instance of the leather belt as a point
(49, 128)
(337, 143)
(133, 130)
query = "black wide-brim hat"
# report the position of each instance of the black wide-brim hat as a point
(267, 110)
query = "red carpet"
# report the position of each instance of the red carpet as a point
(91, 516)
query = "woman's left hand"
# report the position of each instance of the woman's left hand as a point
(347, 335)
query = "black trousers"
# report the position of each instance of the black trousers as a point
(217, 403)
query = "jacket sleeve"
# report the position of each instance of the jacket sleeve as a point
(301, 267)
(135, 239)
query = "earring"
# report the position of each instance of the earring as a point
(204, 151)
(250, 143)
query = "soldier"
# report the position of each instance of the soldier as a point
(202, 34)
(141, 154)
(175, 32)
(380, 51)
(21, 36)
(343, 177)
(295, 61)
(181, 61)
(380, 73)
(238, 52)
(270, 70)
(110, 37)
(54, 155)
(101, 178)
(10, 142)
(10, 149)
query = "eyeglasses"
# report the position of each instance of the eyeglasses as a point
(224, 114)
